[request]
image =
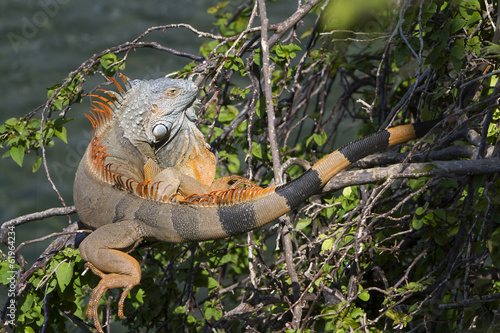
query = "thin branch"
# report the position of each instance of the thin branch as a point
(412, 170)
(268, 92)
(60, 211)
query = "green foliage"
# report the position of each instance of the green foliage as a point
(67, 94)
(111, 64)
(284, 53)
(23, 135)
(222, 16)
(61, 283)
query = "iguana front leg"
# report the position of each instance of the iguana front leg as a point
(171, 181)
(104, 250)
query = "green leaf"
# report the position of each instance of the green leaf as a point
(429, 167)
(349, 192)
(364, 296)
(320, 139)
(234, 164)
(257, 59)
(421, 210)
(17, 154)
(107, 60)
(212, 283)
(64, 274)
(285, 52)
(37, 164)
(455, 25)
(139, 296)
(257, 150)
(227, 114)
(327, 245)
(216, 9)
(234, 62)
(34, 124)
(62, 134)
(417, 224)
(28, 303)
(302, 223)
(11, 122)
(6, 272)
(108, 63)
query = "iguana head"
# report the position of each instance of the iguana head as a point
(154, 110)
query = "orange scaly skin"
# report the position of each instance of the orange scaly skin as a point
(126, 178)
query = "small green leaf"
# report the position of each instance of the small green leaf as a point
(11, 122)
(347, 191)
(417, 224)
(64, 274)
(455, 25)
(234, 164)
(17, 154)
(420, 210)
(257, 59)
(140, 295)
(364, 296)
(429, 167)
(302, 223)
(212, 283)
(107, 60)
(257, 150)
(28, 303)
(7, 272)
(320, 139)
(62, 134)
(58, 103)
(215, 9)
(37, 164)
(327, 245)
(34, 124)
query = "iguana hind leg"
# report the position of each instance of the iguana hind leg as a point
(104, 250)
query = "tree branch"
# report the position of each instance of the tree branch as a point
(442, 168)
(59, 211)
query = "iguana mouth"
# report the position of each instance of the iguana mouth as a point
(157, 145)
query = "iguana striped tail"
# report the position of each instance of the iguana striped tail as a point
(232, 212)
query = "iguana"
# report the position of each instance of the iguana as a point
(127, 190)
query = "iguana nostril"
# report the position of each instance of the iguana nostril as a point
(159, 131)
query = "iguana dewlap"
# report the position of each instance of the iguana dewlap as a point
(123, 192)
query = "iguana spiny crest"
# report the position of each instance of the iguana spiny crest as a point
(156, 117)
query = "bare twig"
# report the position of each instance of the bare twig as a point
(35, 217)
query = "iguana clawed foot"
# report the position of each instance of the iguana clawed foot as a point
(108, 281)
(124, 270)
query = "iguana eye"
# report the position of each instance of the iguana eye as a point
(172, 92)
(159, 131)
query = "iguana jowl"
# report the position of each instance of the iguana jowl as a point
(124, 183)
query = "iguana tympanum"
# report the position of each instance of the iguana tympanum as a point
(144, 150)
